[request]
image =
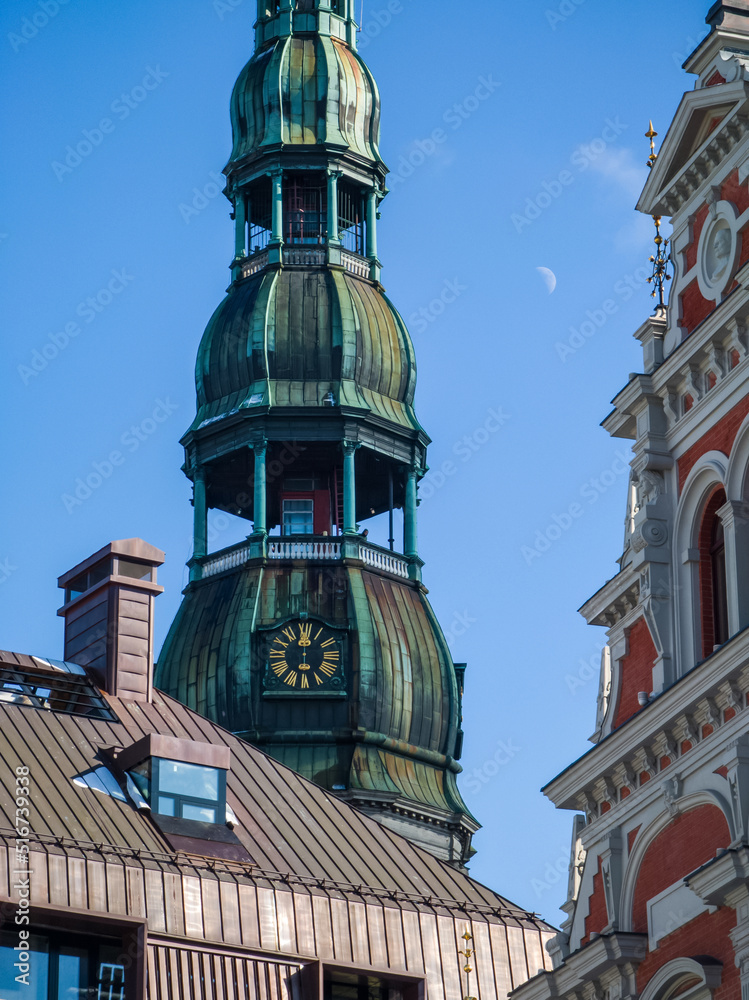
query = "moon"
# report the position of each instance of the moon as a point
(550, 279)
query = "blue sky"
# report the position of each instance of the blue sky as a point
(515, 138)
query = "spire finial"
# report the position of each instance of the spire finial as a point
(468, 953)
(651, 134)
(660, 261)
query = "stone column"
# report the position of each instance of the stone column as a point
(735, 518)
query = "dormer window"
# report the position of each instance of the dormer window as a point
(185, 791)
(182, 779)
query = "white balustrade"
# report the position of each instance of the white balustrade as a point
(324, 549)
(355, 264)
(304, 255)
(300, 549)
(255, 263)
(223, 561)
(385, 561)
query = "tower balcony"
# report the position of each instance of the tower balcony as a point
(308, 548)
(306, 256)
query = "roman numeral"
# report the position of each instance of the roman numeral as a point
(280, 642)
(328, 669)
(330, 655)
(304, 631)
(328, 642)
(305, 682)
(290, 678)
(280, 668)
(289, 633)
(318, 679)
(318, 632)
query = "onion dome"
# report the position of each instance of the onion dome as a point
(295, 335)
(302, 91)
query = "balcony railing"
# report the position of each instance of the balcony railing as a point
(299, 548)
(255, 263)
(308, 257)
(356, 264)
(317, 549)
(311, 256)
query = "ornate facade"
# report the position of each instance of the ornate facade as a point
(658, 902)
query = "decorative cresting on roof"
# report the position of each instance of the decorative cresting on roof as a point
(306, 90)
(311, 326)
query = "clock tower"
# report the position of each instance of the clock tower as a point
(306, 639)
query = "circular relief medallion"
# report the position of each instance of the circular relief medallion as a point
(305, 656)
(718, 247)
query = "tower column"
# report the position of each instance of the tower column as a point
(333, 236)
(240, 225)
(260, 500)
(259, 536)
(410, 525)
(349, 487)
(200, 522)
(375, 268)
(277, 197)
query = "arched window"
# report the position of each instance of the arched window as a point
(713, 592)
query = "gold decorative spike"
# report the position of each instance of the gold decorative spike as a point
(660, 261)
(651, 134)
(467, 953)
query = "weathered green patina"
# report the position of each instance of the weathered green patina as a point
(305, 422)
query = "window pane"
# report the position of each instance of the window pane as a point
(72, 974)
(38, 973)
(297, 517)
(201, 813)
(194, 780)
(137, 571)
(110, 974)
(166, 806)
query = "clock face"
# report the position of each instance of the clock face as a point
(306, 656)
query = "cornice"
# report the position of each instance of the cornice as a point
(607, 955)
(637, 741)
(615, 600)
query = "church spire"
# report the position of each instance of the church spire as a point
(307, 639)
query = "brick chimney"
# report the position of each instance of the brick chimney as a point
(108, 614)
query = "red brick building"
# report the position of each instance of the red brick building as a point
(658, 900)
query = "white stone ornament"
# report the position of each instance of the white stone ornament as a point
(718, 251)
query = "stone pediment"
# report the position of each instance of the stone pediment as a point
(706, 127)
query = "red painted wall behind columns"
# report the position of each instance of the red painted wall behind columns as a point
(635, 671)
(598, 915)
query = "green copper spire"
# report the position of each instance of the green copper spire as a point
(307, 639)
